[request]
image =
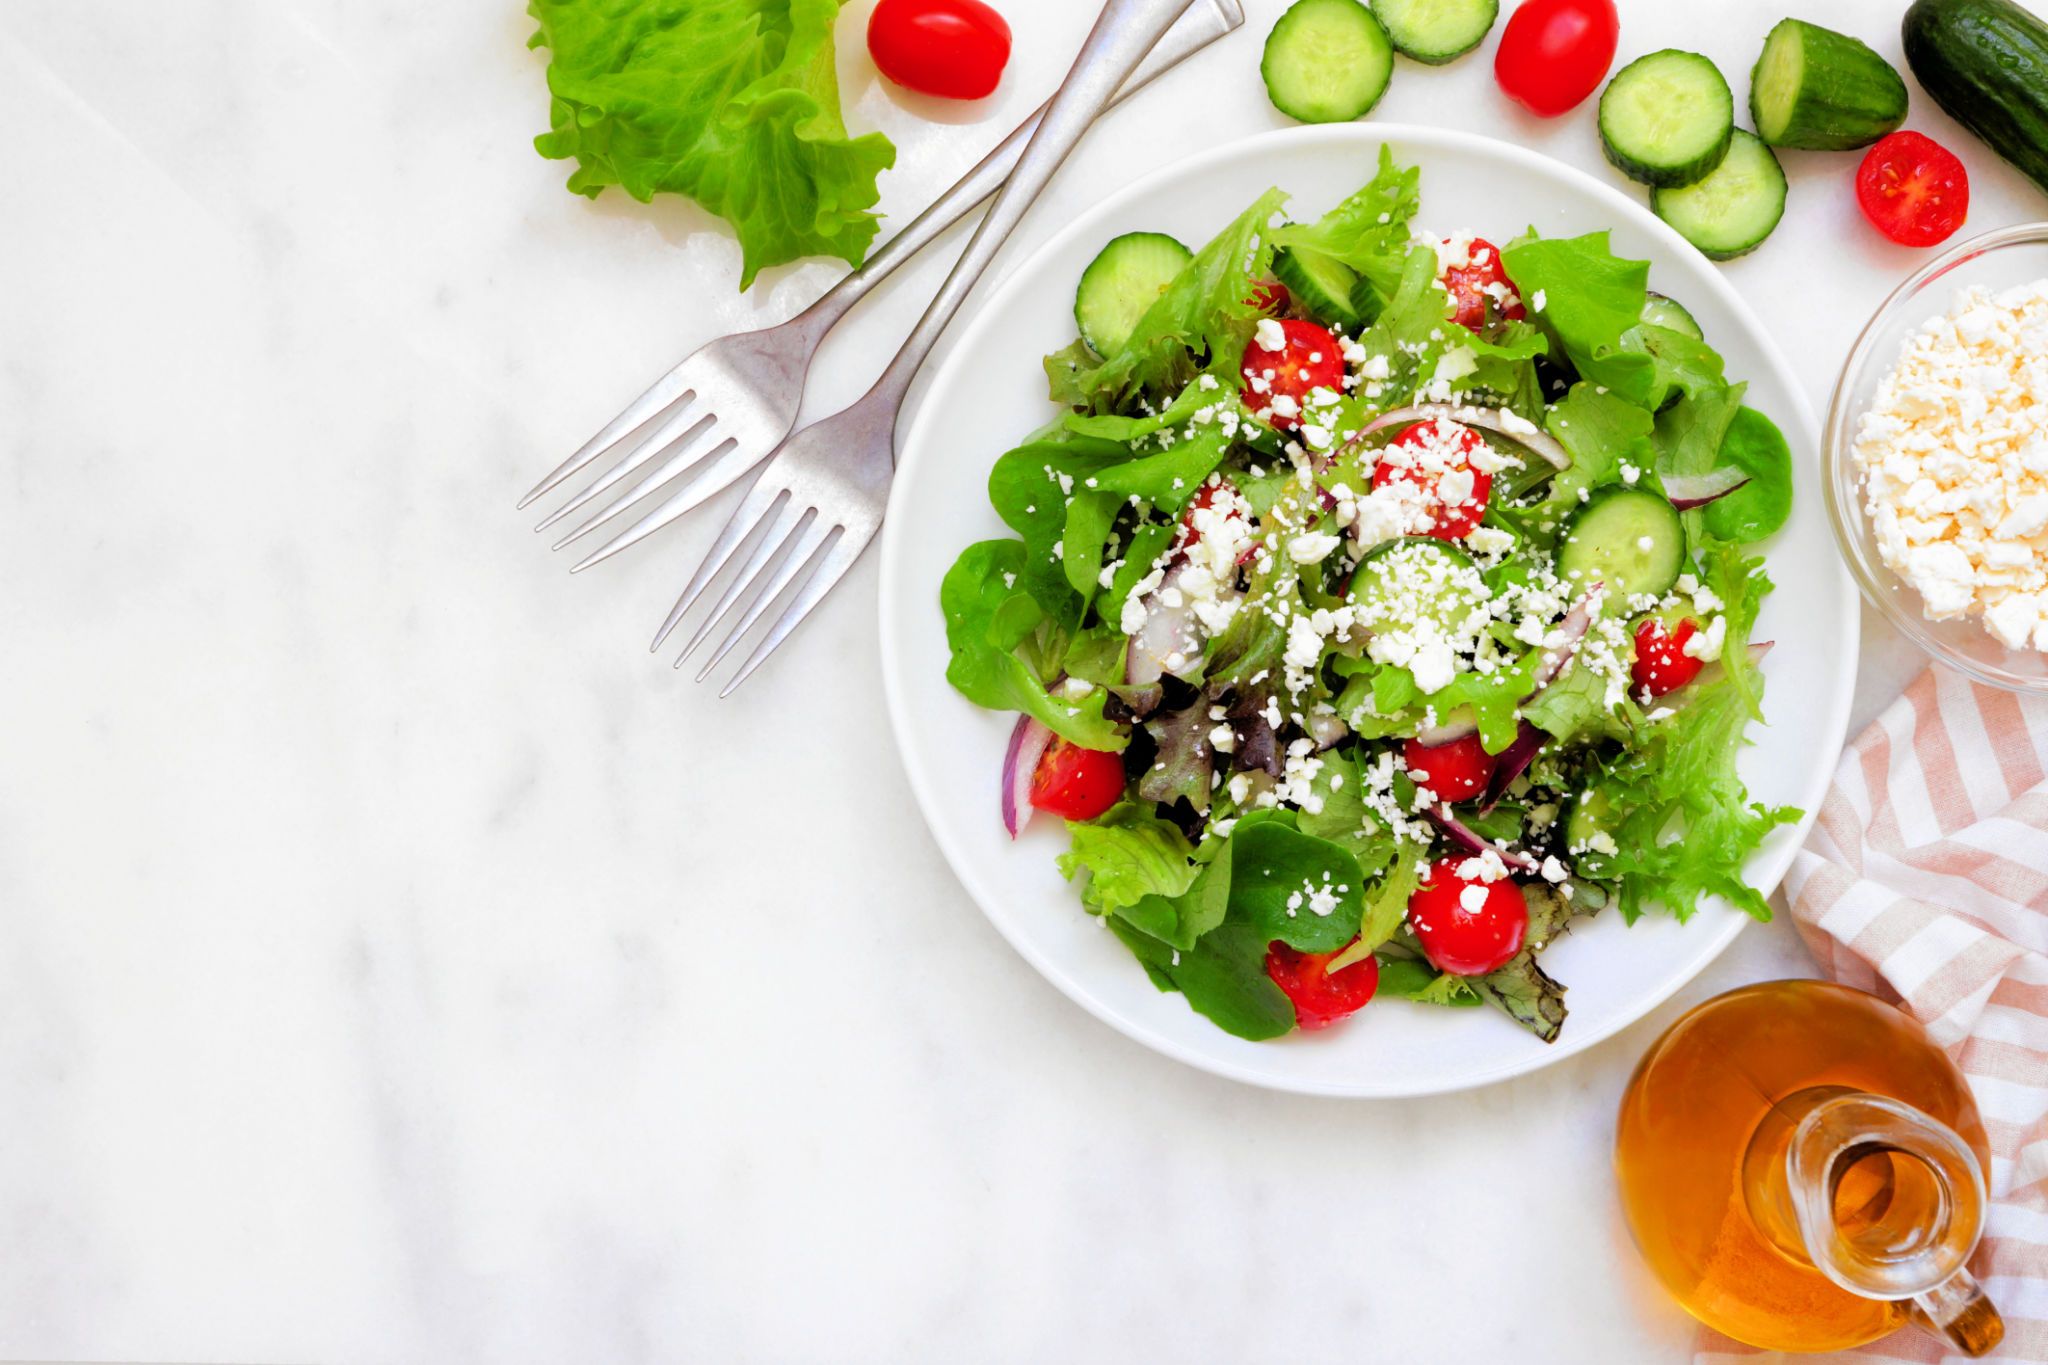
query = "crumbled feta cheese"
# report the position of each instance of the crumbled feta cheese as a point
(1953, 454)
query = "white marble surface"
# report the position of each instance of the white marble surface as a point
(399, 964)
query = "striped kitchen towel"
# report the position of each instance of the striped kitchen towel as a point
(1925, 880)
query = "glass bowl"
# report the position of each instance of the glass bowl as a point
(1996, 260)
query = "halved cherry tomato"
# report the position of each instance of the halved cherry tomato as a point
(1468, 285)
(1454, 519)
(1467, 927)
(1553, 53)
(1277, 383)
(1661, 663)
(1457, 771)
(955, 49)
(1076, 783)
(1913, 189)
(1320, 997)
(1271, 298)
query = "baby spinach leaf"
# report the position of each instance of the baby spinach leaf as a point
(1755, 446)
(1278, 878)
(989, 616)
(1223, 977)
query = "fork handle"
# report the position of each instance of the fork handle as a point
(1203, 24)
(1125, 32)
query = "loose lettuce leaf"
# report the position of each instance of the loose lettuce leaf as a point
(733, 103)
(1591, 297)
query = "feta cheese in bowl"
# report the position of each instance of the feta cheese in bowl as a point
(1937, 453)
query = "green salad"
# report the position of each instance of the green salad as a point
(1379, 603)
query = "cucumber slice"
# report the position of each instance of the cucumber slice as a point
(1825, 91)
(1730, 212)
(1366, 302)
(1629, 539)
(1436, 31)
(1666, 119)
(1384, 586)
(1321, 286)
(1661, 310)
(1125, 278)
(1590, 813)
(1327, 61)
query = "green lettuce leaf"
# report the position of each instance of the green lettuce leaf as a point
(1129, 854)
(990, 617)
(1202, 320)
(1369, 231)
(1685, 824)
(733, 103)
(1591, 297)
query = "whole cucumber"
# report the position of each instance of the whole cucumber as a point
(1986, 63)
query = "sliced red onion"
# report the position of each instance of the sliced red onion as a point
(1688, 491)
(1326, 731)
(1576, 623)
(1512, 763)
(1759, 649)
(1486, 419)
(1474, 843)
(1167, 631)
(1028, 743)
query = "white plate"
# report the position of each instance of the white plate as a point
(990, 395)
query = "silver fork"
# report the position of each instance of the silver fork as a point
(723, 409)
(817, 504)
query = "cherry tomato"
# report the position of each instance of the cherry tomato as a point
(1457, 771)
(955, 49)
(1454, 520)
(1913, 189)
(1076, 783)
(1553, 53)
(1661, 663)
(1467, 927)
(1468, 285)
(1320, 998)
(1271, 298)
(1277, 383)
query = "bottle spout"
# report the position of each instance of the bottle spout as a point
(1889, 1203)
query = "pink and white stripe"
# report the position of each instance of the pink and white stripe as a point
(1925, 880)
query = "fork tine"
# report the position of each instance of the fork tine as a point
(674, 467)
(659, 395)
(672, 437)
(812, 537)
(768, 550)
(752, 512)
(832, 567)
(725, 470)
